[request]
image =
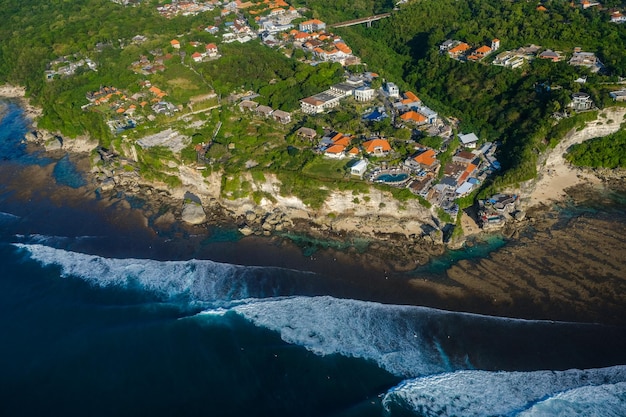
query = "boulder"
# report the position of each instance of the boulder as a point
(193, 213)
(53, 144)
(246, 231)
(251, 216)
(107, 185)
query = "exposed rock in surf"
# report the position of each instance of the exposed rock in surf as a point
(193, 213)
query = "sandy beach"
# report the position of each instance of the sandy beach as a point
(555, 174)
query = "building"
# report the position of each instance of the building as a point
(458, 50)
(586, 59)
(446, 45)
(264, 111)
(281, 116)
(495, 44)
(306, 133)
(469, 140)
(619, 95)
(414, 117)
(175, 44)
(364, 93)
(378, 147)
(359, 168)
(617, 17)
(392, 90)
(581, 102)
(551, 55)
(248, 105)
(313, 25)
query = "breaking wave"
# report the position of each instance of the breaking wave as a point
(593, 392)
(8, 216)
(195, 280)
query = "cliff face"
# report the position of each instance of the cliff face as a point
(374, 213)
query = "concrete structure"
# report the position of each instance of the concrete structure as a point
(469, 140)
(581, 102)
(364, 93)
(392, 90)
(359, 168)
(312, 25)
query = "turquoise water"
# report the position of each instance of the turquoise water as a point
(391, 178)
(478, 249)
(309, 245)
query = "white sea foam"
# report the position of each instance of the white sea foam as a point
(8, 216)
(393, 336)
(483, 393)
(51, 240)
(607, 400)
(199, 280)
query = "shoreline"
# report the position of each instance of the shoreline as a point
(385, 271)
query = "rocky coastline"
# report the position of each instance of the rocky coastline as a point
(398, 238)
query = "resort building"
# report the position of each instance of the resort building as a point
(469, 140)
(392, 90)
(581, 102)
(364, 93)
(359, 168)
(313, 25)
(619, 95)
(378, 147)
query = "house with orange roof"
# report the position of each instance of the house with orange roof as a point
(335, 151)
(175, 44)
(312, 25)
(211, 49)
(424, 160)
(197, 57)
(541, 8)
(343, 48)
(377, 147)
(343, 141)
(157, 92)
(617, 17)
(483, 51)
(458, 50)
(414, 117)
(354, 152)
(302, 36)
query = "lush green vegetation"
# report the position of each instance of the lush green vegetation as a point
(513, 107)
(605, 152)
(494, 102)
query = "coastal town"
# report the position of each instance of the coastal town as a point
(431, 158)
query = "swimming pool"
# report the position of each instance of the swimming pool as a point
(392, 178)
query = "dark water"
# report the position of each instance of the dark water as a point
(94, 321)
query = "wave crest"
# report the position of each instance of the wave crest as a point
(197, 280)
(481, 393)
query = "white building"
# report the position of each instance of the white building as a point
(469, 140)
(392, 90)
(359, 168)
(364, 93)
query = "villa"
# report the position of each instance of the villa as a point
(377, 147)
(469, 140)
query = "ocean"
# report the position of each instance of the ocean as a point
(99, 317)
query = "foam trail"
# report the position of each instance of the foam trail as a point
(8, 216)
(483, 393)
(196, 280)
(607, 400)
(398, 338)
